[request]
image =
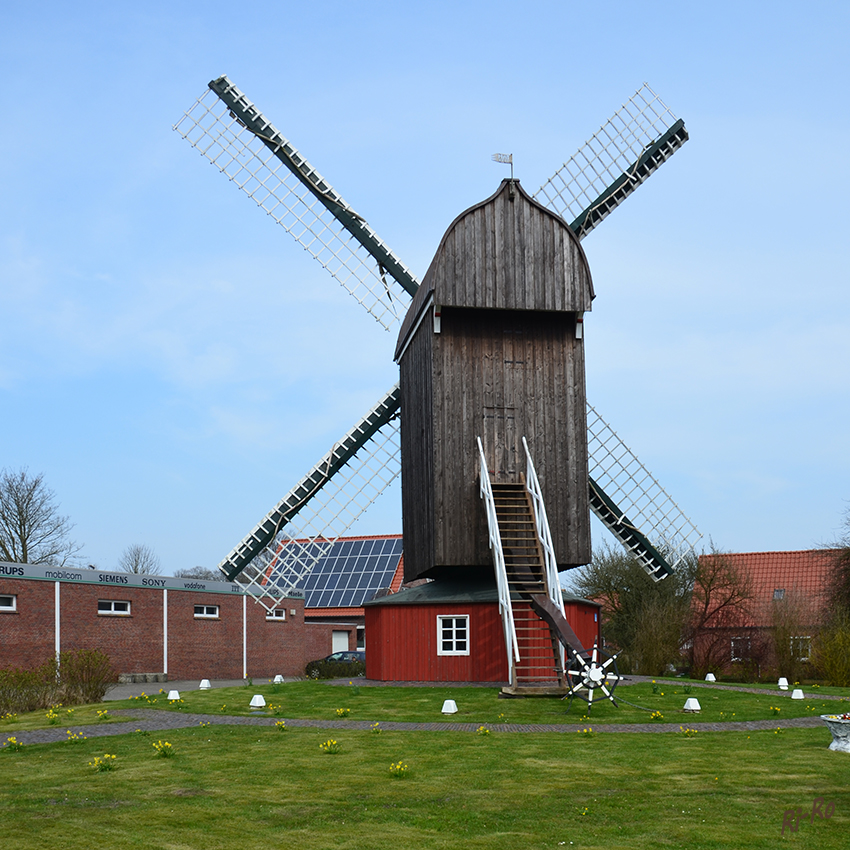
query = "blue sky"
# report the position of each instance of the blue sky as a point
(173, 362)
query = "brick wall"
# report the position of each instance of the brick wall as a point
(204, 648)
(207, 647)
(319, 639)
(26, 635)
(276, 646)
(133, 643)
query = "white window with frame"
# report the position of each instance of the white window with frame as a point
(206, 612)
(741, 648)
(453, 635)
(278, 615)
(113, 608)
(801, 647)
(8, 602)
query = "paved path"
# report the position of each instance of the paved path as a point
(125, 691)
(809, 693)
(151, 720)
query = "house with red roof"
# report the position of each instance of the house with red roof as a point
(788, 597)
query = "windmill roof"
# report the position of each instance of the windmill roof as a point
(519, 264)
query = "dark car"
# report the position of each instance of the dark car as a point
(337, 664)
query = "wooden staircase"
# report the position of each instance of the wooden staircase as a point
(539, 669)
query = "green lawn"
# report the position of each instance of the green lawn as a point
(252, 787)
(480, 705)
(60, 717)
(249, 787)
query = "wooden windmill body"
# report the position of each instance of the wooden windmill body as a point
(491, 347)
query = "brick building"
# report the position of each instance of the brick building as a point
(793, 584)
(181, 628)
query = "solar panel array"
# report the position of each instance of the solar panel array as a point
(351, 572)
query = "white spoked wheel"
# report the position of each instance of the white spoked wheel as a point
(591, 670)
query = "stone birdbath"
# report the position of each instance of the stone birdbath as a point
(839, 725)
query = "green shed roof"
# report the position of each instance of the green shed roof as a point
(462, 591)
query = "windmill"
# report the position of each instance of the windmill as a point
(227, 129)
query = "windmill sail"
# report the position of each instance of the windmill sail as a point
(621, 155)
(227, 129)
(633, 505)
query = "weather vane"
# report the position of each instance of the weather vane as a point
(507, 158)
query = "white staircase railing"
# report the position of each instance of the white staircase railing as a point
(511, 644)
(544, 535)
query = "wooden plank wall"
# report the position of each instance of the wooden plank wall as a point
(511, 254)
(510, 278)
(504, 375)
(500, 375)
(417, 454)
(586, 622)
(401, 644)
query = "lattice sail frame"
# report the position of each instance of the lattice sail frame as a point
(296, 548)
(641, 499)
(248, 162)
(581, 186)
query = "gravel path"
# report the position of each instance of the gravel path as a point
(151, 720)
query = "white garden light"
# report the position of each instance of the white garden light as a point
(174, 694)
(258, 701)
(449, 707)
(278, 680)
(783, 684)
(205, 684)
(797, 693)
(692, 704)
(710, 677)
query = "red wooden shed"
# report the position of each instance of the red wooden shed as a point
(451, 631)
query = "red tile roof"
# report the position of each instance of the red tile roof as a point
(398, 578)
(805, 574)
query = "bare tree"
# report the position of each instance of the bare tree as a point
(139, 558)
(201, 573)
(831, 646)
(643, 619)
(32, 531)
(840, 589)
(721, 601)
(791, 619)
(831, 649)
